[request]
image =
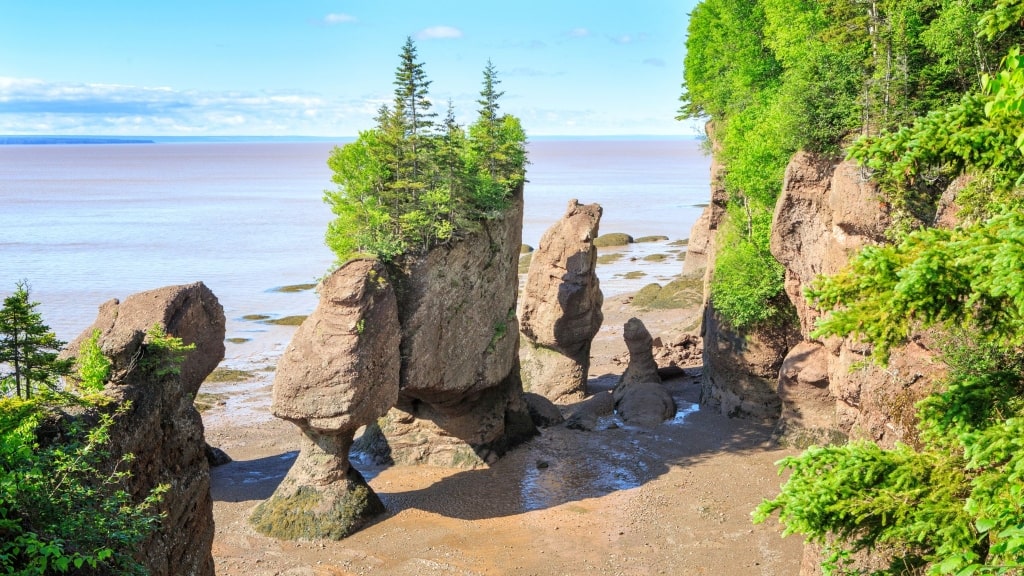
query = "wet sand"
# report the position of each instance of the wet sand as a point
(617, 501)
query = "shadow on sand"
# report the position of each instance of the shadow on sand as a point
(557, 467)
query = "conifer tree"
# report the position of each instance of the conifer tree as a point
(27, 345)
(413, 106)
(488, 118)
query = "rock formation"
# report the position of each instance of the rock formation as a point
(827, 212)
(340, 372)
(641, 367)
(639, 396)
(461, 397)
(741, 367)
(561, 306)
(163, 429)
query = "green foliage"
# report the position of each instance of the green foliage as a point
(64, 507)
(775, 76)
(163, 354)
(956, 506)
(410, 183)
(93, 365)
(934, 276)
(28, 346)
(746, 277)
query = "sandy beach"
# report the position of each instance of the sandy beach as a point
(615, 501)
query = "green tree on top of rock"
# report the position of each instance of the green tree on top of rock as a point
(410, 183)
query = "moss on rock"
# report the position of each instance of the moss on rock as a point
(613, 239)
(309, 513)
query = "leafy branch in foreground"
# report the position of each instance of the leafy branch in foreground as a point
(65, 506)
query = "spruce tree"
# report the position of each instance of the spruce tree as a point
(27, 345)
(488, 118)
(413, 106)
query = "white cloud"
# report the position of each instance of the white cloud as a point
(438, 32)
(32, 106)
(579, 33)
(339, 18)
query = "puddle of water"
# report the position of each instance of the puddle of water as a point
(684, 409)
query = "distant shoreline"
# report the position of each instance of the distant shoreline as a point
(49, 140)
(23, 140)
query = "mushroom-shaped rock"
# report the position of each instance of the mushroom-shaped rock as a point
(162, 429)
(642, 367)
(561, 306)
(340, 372)
(461, 398)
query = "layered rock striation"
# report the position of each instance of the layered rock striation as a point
(561, 306)
(162, 428)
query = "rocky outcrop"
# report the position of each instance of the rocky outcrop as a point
(162, 428)
(561, 306)
(461, 397)
(340, 372)
(740, 367)
(639, 396)
(673, 357)
(827, 212)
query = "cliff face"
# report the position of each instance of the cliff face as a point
(741, 367)
(827, 212)
(163, 429)
(461, 397)
(821, 390)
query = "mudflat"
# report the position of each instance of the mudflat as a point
(614, 501)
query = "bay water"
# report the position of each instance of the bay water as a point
(86, 223)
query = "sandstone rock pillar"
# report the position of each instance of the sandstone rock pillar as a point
(640, 398)
(340, 372)
(561, 306)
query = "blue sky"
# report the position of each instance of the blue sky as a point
(322, 68)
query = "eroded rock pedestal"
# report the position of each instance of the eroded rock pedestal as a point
(162, 428)
(340, 372)
(561, 306)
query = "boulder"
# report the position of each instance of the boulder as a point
(586, 413)
(646, 404)
(163, 429)
(340, 372)
(561, 306)
(543, 411)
